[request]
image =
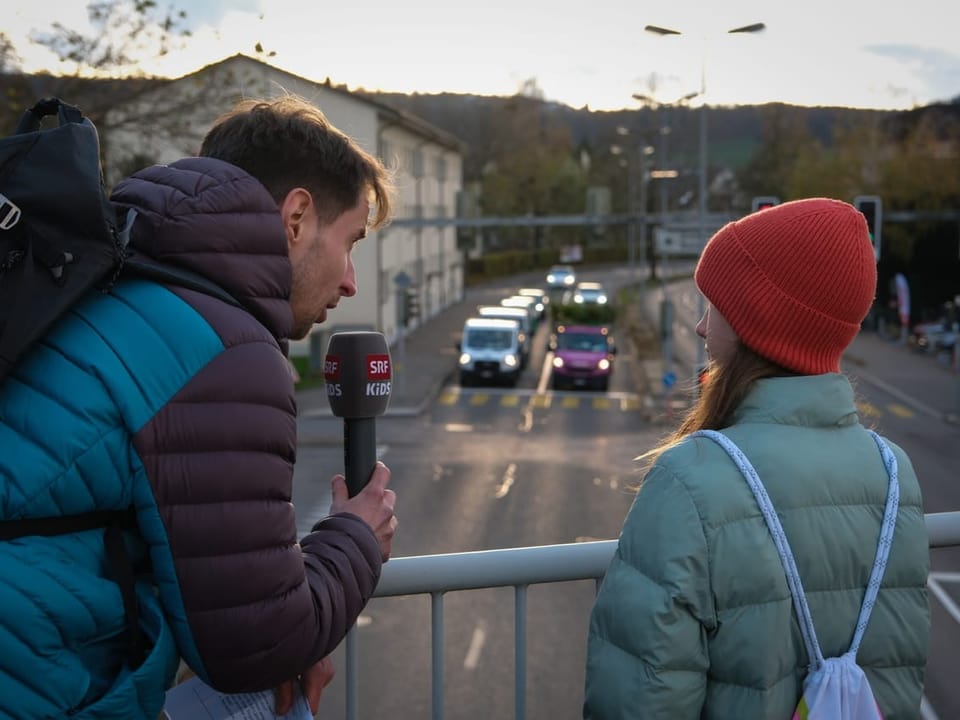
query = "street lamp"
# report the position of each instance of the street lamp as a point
(702, 189)
(642, 152)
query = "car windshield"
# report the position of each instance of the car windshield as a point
(486, 339)
(585, 342)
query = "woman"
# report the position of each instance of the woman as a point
(694, 618)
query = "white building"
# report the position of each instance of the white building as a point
(427, 165)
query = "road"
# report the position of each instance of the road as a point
(489, 468)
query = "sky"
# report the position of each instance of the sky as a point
(851, 53)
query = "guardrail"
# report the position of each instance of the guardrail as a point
(436, 575)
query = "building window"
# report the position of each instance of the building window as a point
(441, 169)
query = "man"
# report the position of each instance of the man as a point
(180, 406)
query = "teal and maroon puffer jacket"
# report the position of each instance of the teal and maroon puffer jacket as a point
(182, 406)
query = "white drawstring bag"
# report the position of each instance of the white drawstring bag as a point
(835, 688)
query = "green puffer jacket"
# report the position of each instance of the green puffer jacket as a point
(694, 618)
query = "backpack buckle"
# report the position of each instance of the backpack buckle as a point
(9, 213)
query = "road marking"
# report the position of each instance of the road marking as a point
(541, 401)
(900, 410)
(630, 403)
(507, 481)
(477, 641)
(449, 397)
(510, 400)
(479, 399)
(934, 583)
(458, 428)
(570, 402)
(601, 403)
(866, 409)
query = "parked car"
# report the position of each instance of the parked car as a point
(560, 277)
(583, 356)
(489, 351)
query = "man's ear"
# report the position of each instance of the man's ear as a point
(294, 214)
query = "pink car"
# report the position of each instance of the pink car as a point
(583, 356)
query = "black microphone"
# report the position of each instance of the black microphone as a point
(356, 370)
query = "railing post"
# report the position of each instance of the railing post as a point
(436, 644)
(353, 674)
(520, 652)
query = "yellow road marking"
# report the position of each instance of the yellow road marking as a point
(601, 403)
(449, 398)
(866, 409)
(900, 410)
(571, 402)
(541, 401)
(479, 399)
(510, 400)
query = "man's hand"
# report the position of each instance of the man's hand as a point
(374, 505)
(312, 683)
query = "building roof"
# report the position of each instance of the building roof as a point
(388, 115)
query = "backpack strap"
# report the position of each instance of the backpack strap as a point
(887, 527)
(804, 618)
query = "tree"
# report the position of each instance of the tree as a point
(532, 168)
(107, 77)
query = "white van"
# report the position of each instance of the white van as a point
(521, 315)
(489, 350)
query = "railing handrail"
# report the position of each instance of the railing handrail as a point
(522, 566)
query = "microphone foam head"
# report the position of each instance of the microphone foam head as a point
(357, 372)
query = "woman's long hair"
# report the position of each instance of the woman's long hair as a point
(720, 396)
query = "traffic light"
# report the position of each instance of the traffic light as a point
(411, 305)
(763, 202)
(872, 208)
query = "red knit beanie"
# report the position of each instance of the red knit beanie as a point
(794, 281)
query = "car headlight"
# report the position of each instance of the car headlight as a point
(604, 364)
(465, 358)
(568, 280)
(551, 278)
(602, 299)
(558, 362)
(578, 299)
(510, 360)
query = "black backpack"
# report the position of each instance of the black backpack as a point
(60, 236)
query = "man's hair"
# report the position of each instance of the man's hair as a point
(287, 142)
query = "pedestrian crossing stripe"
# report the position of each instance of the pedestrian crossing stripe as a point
(625, 402)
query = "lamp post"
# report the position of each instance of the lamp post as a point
(639, 174)
(702, 189)
(663, 173)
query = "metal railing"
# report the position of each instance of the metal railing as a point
(436, 575)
